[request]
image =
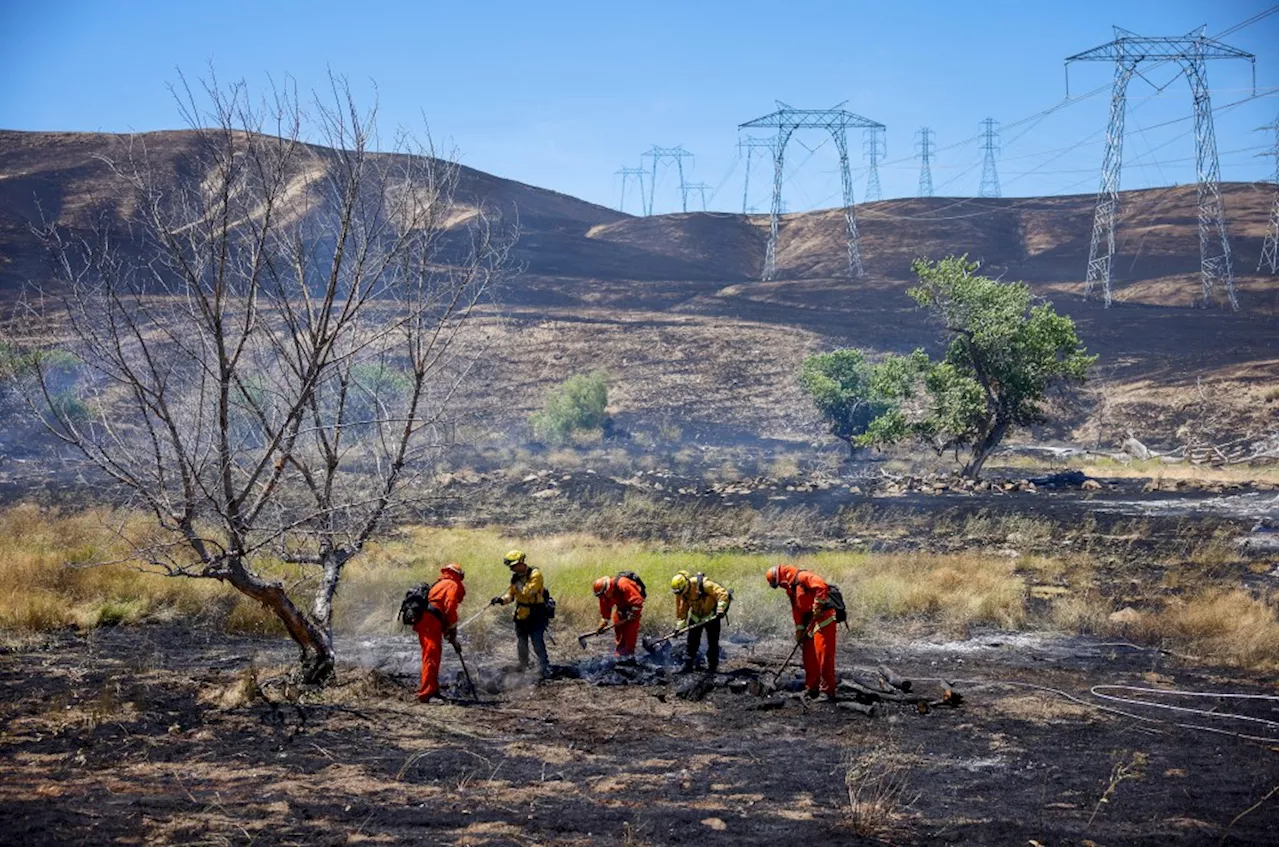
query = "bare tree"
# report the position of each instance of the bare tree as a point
(266, 354)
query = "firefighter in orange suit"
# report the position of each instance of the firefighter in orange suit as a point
(439, 623)
(815, 622)
(621, 596)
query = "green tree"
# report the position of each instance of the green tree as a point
(1004, 352)
(840, 385)
(576, 404)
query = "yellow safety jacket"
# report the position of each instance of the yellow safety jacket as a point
(699, 602)
(526, 591)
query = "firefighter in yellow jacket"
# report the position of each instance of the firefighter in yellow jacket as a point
(700, 606)
(532, 614)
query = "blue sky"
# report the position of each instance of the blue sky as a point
(562, 94)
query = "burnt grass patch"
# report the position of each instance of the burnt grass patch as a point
(129, 736)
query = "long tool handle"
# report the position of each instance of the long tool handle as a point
(778, 673)
(473, 617)
(475, 694)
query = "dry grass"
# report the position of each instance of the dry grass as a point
(1227, 625)
(876, 782)
(949, 592)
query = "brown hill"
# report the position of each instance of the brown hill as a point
(672, 305)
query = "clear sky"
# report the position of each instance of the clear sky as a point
(562, 94)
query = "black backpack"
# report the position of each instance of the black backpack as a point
(414, 605)
(635, 577)
(836, 601)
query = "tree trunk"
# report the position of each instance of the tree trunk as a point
(983, 449)
(317, 659)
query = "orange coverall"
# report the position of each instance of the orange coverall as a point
(807, 590)
(445, 596)
(623, 599)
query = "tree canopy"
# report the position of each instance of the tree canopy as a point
(1003, 353)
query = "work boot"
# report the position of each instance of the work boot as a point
(687, 667)
(811, 694)
(830, 697)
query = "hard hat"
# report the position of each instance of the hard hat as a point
(679, 582)
(773, 575)
(602, 586)
(513, 557)
(452, 568)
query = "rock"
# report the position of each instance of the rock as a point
(545, 494)
(853, 489)
(1126, 616)
(1090, 485)
(714, 823)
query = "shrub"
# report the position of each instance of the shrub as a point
(576, 405)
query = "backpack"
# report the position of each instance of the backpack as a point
(836, 601)
(414, 605)
(635, 577)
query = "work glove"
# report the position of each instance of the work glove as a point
(452, 637)
(801, 636)
(496, 601)
(604, 624)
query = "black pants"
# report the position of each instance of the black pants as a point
(694, 636)
(532, 628)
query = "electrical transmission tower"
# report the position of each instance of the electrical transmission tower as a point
(751, 144)
(626, 174)
(835, 121)
(1268, 256)
(990, 186)
(1128, 51)
(675, 154)
(873, 146)
(926, 150)
(700, 187)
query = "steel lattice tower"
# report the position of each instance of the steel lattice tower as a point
(925, 144)
(835, 121)
(750, 144)
(700, 187)
(675, 154)
(1268, 256)
(1128, 51)
(873, 146)
(990, 185)
(627, 173)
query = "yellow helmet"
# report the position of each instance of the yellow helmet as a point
(680, 582)
(513, 557)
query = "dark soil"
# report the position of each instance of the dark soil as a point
(139, 736)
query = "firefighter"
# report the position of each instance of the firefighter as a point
(439, 623)
(815, 621)
(530, 596)
(700, 605)
(623, 596)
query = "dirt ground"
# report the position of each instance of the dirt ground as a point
(145, 736)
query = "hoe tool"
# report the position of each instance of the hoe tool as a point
(475, 692)
(582, 639)
(773, 686)
(651, 644)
